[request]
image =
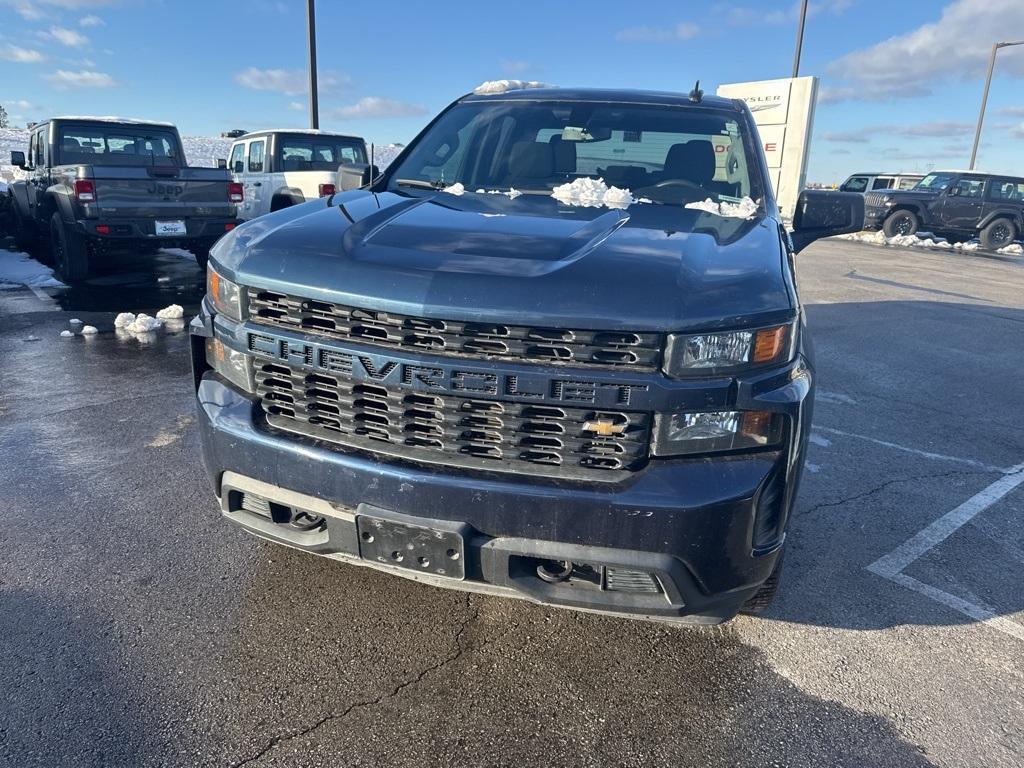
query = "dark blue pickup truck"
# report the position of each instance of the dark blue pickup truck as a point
(554, 352)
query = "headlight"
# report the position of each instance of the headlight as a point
(225, 295)
(706, 354)
(234, 366)
(685, 433)
(887, 200)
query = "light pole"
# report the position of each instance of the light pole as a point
(984, 97)
(314, 107)
(799, 38)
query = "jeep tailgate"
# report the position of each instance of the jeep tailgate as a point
(161, 192)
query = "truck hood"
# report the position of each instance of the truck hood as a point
(531, 259)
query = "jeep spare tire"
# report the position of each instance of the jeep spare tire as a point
(998, 234)
(901, 222)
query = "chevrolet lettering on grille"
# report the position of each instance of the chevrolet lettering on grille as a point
(451, 379)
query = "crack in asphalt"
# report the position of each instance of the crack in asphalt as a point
(886, 484)
(397, 690)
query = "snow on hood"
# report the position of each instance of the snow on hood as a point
(744, 209)
(504, 86)
(592, 193)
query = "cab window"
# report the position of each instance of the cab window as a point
(883, 182)
(237, 156)
(1006, 190)
(256, 150)
(969, 189)
(856, 184)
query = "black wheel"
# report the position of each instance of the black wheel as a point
(998, 234)
(901, 223)
(202, 254)
(69, 251)
(759, 603)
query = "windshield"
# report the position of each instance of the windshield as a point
(666, 154)
(318, 153)
(118, 145)
(935, 181)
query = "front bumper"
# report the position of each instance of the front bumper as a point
(708, 529)
(874, 218)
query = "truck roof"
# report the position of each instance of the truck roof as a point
(617, 95)
(110, 119)
(300, 132)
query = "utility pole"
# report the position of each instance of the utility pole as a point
(984, 97)
(314, 106)
(799, 39)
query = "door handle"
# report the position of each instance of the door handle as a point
(257, 183)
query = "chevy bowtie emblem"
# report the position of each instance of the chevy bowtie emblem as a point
(604, 428)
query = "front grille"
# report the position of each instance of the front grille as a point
(874, 200)
(483, 341)
(479, 434)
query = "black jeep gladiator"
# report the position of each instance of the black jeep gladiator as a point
(488, 370)
(96, 184)
(957, 204)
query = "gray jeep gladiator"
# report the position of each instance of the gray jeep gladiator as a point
(93, 185)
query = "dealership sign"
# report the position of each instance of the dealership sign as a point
(784, 113)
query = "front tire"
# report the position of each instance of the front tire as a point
(202, 254)
(998, 234)
(69, 251)
(901, 222)
(25, 237)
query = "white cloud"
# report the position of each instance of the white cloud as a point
(515, 67)
(746, 16)
(91, 21)
(296, 106)
(376, 106)
(945, 129)
(290, 82)
(681, 31)
(24, 106)
(64, 78)
(1012, 111)
(1018, 131)
(20, 55)
(957, 47)
(66, 37)
(33, 10)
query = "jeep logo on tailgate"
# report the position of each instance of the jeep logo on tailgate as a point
(450, 379)
(167, 190)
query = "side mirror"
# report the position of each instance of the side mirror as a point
(824, 214)
(355, 175)
(18, 159)
(222, 163)
(239, 166)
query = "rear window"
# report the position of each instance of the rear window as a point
(318, 153)
(666, 154)
(118, 145)
(1006, 190)
(855, 184)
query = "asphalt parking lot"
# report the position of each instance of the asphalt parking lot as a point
(138, 629)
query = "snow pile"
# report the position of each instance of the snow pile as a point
(744, 209)
(124, 319)
(455, 189)
(173, 312)
(592, 193)
(18, 269)
(504, 86)
(925, 240)
(89, 330)
(66, 334)
(143, 323)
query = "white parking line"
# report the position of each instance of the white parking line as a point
(892, 565)
(916, 451)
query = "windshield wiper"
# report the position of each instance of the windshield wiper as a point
(420, 183)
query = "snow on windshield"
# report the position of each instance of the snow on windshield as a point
(503, 86)
(743, 209)
(592, 193)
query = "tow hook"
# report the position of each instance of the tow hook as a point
(554, 571)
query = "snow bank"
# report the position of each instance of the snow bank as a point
(744, 209)
(18, 269)
(592, 193)
(925, 240)
(173, 312)
(124, 319)
(504, 86)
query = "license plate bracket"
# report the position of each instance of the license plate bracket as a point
(169, 228)
(413, 547)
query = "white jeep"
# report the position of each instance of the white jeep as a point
(279, 168)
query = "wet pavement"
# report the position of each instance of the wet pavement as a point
(138, 629)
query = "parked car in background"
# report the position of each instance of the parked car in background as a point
(868, 182)
(93, 185)
(955, 204)
(490, 372)
(281, 168)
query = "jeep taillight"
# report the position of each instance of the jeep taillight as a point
(85, 191)
(236, 193)
(326, 190)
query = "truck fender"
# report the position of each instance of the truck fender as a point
(19, 192)
(1016, 216)
(56, 199)
(285, 197)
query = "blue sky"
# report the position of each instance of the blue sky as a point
(901, 81)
